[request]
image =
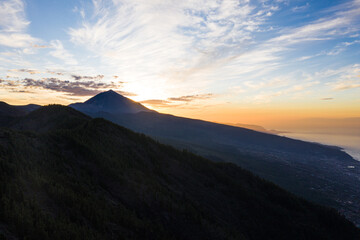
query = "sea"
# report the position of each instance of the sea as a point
(349, 143)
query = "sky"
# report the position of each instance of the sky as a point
(258, 62)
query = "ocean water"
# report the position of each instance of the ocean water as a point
(349, 143)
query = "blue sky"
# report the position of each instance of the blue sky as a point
(186, 55)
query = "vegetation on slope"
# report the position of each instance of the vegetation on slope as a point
(80, 178)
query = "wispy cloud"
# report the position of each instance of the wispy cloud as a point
(177, 101)
(61, 53)
(343, 85)
(30, 71)
(39, 46)
(167, 41)
(189, 98)
(78, 77)
(156, 103)
(287, 90)
(16, 40)
(340, 79)
(322, 29)
(339, 48)
(301, 8)
(13, 16)
(56, 72)
(13, 25)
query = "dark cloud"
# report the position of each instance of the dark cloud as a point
(327, 98)
(72, 88)
(78, 77)
(190, 98)
(78, 88)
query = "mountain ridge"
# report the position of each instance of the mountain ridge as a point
(9, 112)
(316, 172)
(93, 179)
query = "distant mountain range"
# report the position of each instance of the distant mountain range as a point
(319, 173)
(64, 175)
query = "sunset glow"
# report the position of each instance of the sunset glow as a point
(261, 62)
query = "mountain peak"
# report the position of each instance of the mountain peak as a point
(111, 91)
(110, 102)
(105, 96)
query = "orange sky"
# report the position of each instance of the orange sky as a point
(250, 63)
(269, 115)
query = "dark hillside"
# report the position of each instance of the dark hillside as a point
(72, 177)
(316, 172)
(49, 118)
(9, 112)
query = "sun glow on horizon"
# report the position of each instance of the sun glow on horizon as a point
(225, 61)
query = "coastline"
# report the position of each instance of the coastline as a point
(347, 143)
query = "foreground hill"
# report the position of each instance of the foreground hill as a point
(66, 176)
(9, 112)
(316, 172)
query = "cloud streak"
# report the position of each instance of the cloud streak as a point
(344, 85)
(157, 103)
(190, 98)
(13, 25)
(177, 101)
(30, 71)
(78, 77)
(61, 53)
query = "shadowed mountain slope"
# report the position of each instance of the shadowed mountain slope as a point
(82, 178)
(49, 118)
(9, 112)
(14, 110)
(316, 172)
